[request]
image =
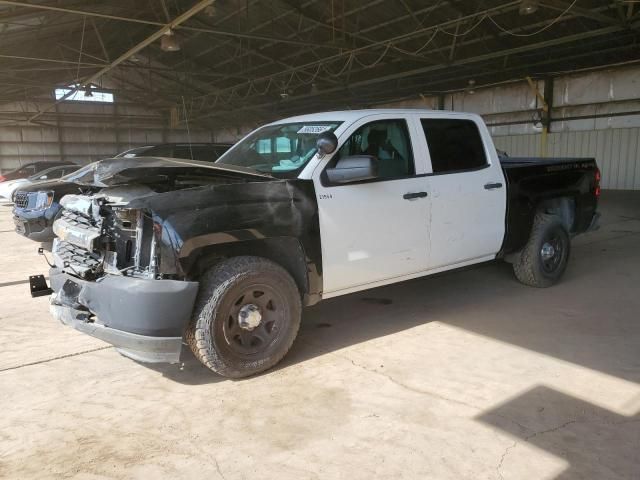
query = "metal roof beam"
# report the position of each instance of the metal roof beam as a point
(442, 49)
(460, 62)
(560, 6)
(132, 51)
(212, 31)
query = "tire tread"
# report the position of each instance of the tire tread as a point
(214, 284)
(525, 269)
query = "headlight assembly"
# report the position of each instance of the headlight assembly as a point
(43, 200)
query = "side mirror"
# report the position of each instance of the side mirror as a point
(327, 143)
(353, 169)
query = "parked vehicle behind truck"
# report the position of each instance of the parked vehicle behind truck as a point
(222, 257)
(29, 169)
(8, 188)
(37, 206)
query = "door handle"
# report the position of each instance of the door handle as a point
(492, 186)
(411, 196)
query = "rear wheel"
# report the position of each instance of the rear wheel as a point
(246, 317)
(544, 258)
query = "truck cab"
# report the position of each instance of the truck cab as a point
(436, 202)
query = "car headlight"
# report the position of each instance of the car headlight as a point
(43, 200)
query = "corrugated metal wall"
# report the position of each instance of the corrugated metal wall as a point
(594, 114)
(82, 133)
(616, 151)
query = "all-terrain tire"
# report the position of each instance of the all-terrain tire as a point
(215, 334)
(533, 268)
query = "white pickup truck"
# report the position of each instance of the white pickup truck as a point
(159, 253)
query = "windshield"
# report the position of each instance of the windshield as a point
(280, 150)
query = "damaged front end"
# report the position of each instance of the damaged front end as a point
(107, 279)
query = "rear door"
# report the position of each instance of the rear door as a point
(467, 191)
(376, 230)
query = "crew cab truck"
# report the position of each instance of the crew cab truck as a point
(222, 257)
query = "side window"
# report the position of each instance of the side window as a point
(263, 145)
(219, 151)
(204, 153)
(158, 152)
(185, 152)
(283, 144)
(388, 141)
(454, 145)
(30, 170)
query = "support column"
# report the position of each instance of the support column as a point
(60, 138)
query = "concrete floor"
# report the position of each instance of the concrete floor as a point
(466, 375)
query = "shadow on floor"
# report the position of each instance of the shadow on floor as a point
(588, 319)
(596, 442)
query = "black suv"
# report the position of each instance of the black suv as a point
(206, 152)
(37, 206)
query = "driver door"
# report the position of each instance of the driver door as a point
(376, 230)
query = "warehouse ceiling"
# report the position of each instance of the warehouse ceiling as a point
(246, 61)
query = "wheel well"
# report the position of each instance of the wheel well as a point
(564, 208)
(285, 251)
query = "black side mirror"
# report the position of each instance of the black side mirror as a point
(353, 169)
(327, 143)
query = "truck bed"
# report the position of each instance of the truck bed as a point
(532, 181)
(514, 162)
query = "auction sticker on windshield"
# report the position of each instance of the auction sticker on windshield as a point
(314, 129)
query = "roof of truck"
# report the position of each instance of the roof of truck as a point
(352, 115)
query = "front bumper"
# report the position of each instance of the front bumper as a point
(33, 229)
(36, 225)
(143, 318)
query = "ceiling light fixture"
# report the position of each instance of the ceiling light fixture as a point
(169, 43)
(471, 87)
(527, 7)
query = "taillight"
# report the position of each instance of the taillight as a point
(596, 183)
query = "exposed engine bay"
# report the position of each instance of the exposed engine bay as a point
(97, 233)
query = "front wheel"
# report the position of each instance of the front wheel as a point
(246, 317)
(544, 258)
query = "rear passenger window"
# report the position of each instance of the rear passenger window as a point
(454, 145)
(159, 152)
(188, 153)
(204, 153)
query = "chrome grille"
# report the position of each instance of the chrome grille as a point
(77, 219)
(21, 200)
(77, 257)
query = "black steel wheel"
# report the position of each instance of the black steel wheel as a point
(254, 321)
(552, 253)
(544, 258)
(246, 317)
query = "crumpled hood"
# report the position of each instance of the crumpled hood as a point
(122, 170)
(57, 186)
